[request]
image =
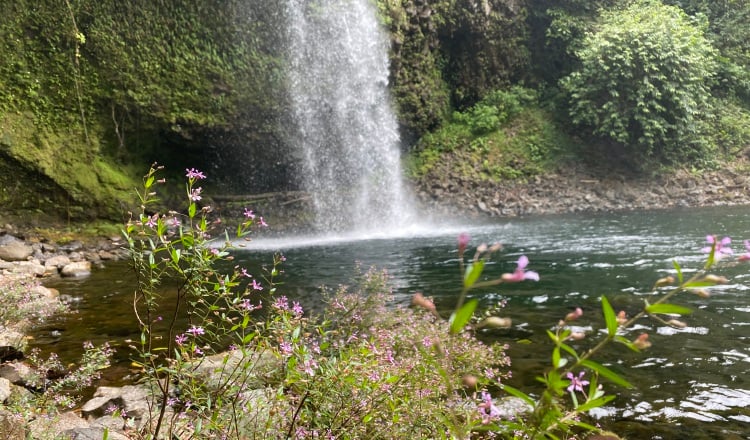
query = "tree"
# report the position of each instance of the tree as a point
(644, 82)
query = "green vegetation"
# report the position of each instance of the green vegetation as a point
(92, 90)
(504, 136)
(644, 82)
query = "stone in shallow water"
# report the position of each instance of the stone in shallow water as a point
(76, 269)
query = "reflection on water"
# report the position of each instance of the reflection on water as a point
(691, 384)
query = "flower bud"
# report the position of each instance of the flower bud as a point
(419, 300)
(495, 322)
(577, 336)
(469, 381)
(703, 293)
(495, 247)
(463, 241)
(715, 279)
(642, 342)
(666, 281)
(676, 323)
(575, 314)
(622, 318)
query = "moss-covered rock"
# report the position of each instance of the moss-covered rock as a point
(57, 172)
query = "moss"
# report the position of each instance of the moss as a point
(66, 173)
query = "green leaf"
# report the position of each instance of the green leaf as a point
(711, 255)
(556, 357)
(667, 309)
(191, 210)
(702, 283)
(473, 271)
(627, 343)
(606, 373)
(678, 269)
(518, 393)
(594, 403)
(609, 317)
(461, 317)
(569, 349)
(175, 255)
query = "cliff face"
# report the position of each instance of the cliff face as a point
(95, 91)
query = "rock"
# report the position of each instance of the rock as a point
(73, 246)
(513, 407)
(11, 426)
(131, 398)
(93, 433)
(17, 372)
(57, 262)
(15, 250)
(11, 345)
(57, 427)
(9, 373)
(5, 390)
(109, 422)
(28, 268)
(45, 292)
(76, 269)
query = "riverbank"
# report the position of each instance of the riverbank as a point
(572, 189)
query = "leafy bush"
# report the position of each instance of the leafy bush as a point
(495, 109)
(645, 81)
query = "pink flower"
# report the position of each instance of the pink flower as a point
(722, 247)
(196, 331)
(463, 241)
(487, 409)
(262, 222)
(256, 285)
(180, 339)
(249, 214)
(192, 173)
(520, 273)
(195, 194)
(576, 383)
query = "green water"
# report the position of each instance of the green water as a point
(691, 384)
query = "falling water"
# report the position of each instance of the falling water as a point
(345, 126)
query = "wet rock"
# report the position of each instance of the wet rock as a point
(76, 269)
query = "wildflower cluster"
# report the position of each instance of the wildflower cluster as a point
(236, 358)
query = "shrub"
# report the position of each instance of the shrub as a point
(644, 82)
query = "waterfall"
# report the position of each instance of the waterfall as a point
(345, 127)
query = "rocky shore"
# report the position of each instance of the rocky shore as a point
(574, 189)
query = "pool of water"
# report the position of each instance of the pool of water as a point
(692, 383)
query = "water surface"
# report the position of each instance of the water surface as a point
(691, 384)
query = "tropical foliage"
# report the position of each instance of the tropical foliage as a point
(645, 82)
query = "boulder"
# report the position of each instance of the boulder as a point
(57, 262)
(5, 390)
(76, 269)
(15, 250)
(57, 426)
